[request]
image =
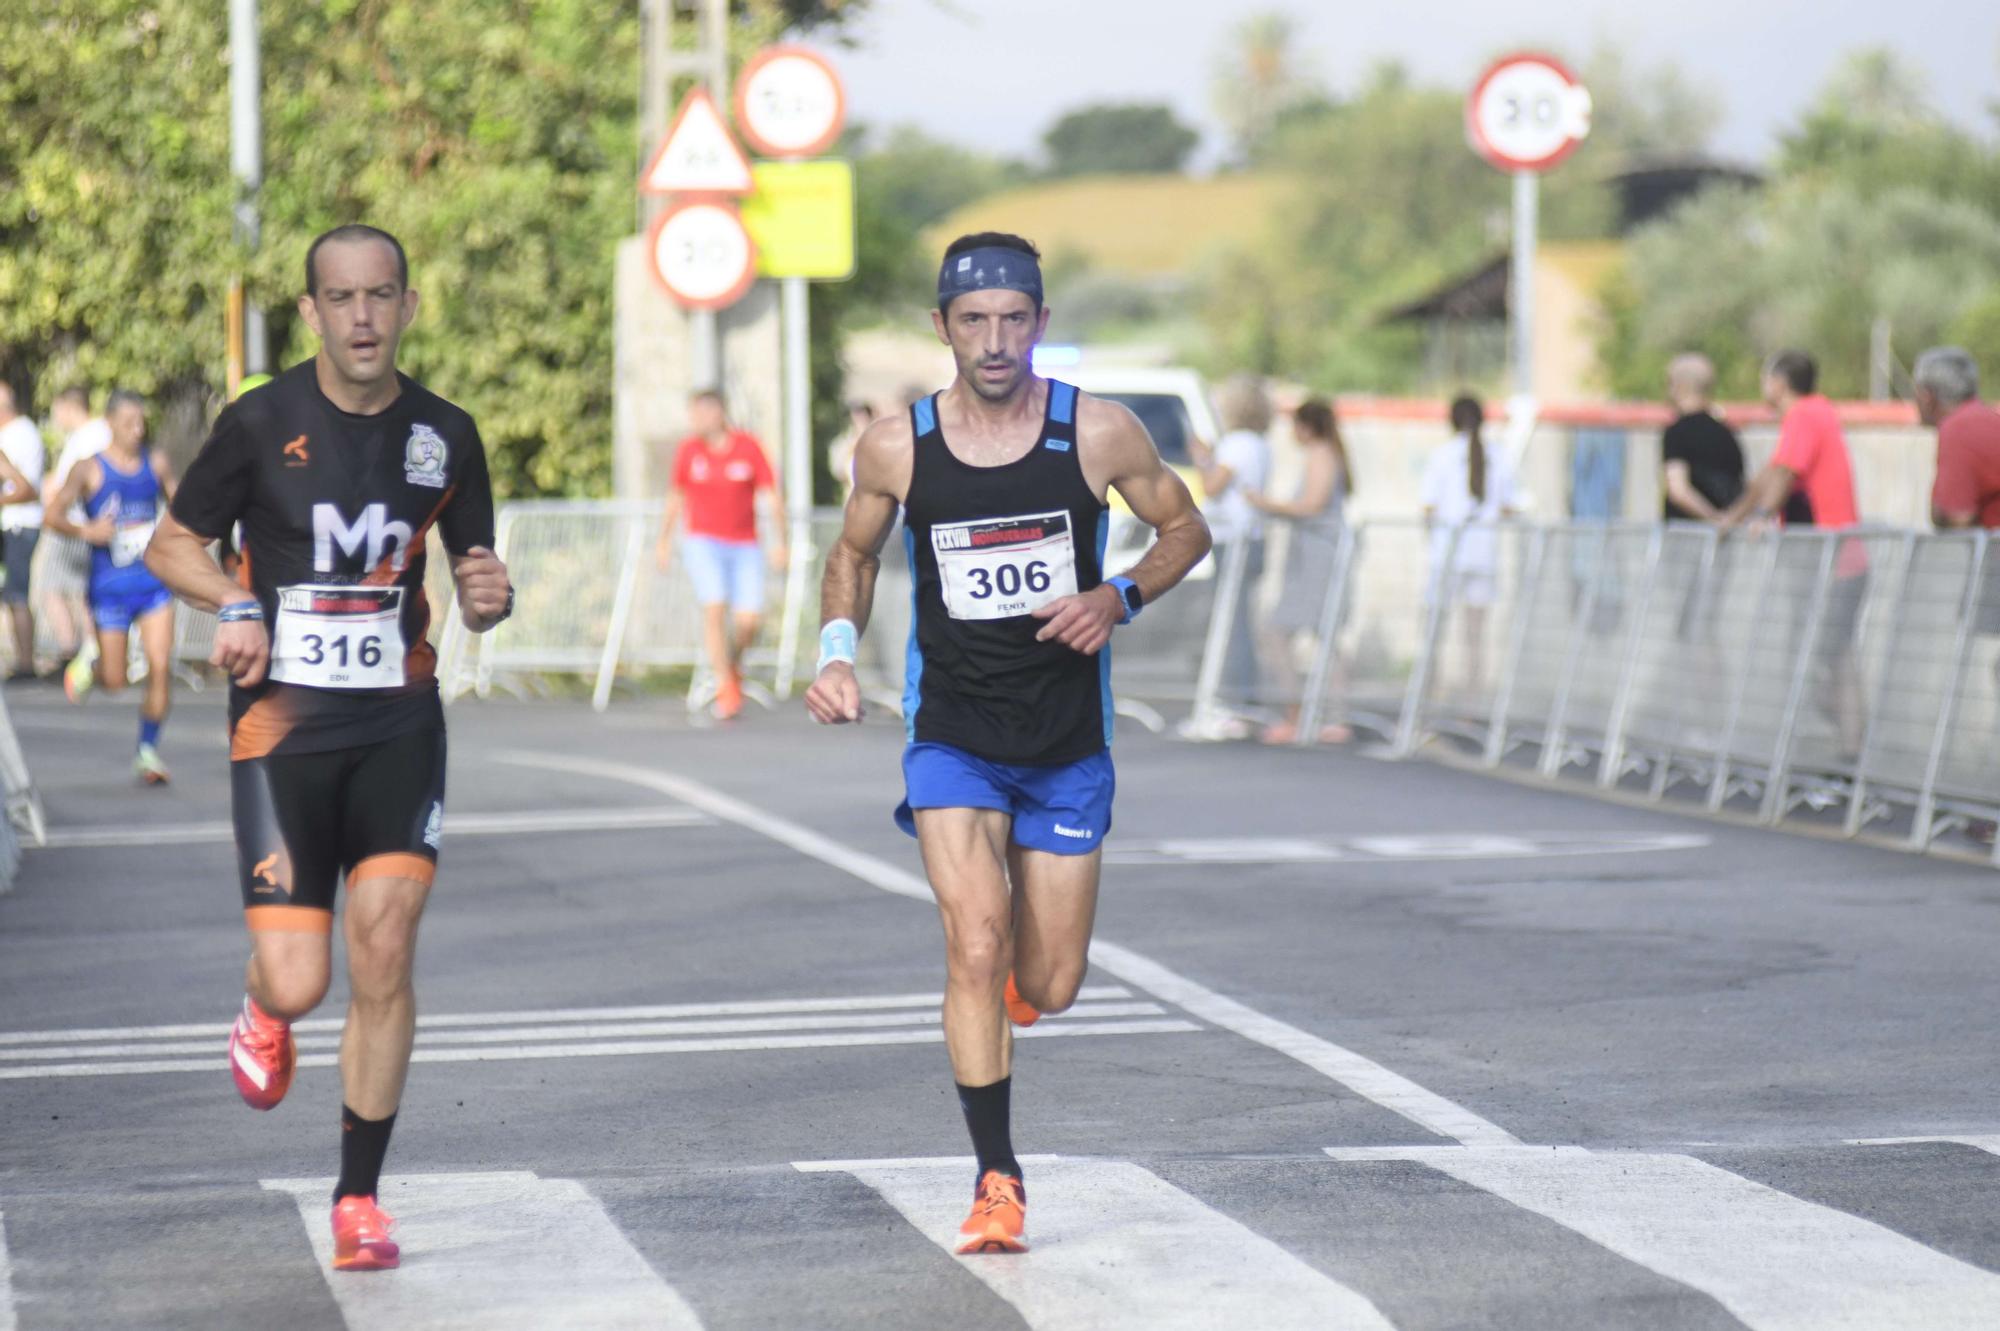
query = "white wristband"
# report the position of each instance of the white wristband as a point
(837, 638)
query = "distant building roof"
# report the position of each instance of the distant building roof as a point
(1648, 189)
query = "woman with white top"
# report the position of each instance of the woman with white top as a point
(1467, 486)
(1239, 465)
(1315, 517)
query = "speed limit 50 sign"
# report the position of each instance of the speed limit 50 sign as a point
(1527, 113)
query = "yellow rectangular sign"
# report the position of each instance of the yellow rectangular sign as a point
(801, 214)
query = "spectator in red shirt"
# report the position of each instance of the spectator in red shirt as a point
(1967, 492)
(717, 474)
(1811, 477)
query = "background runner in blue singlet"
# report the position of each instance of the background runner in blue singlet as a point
(122, 492)
(1003, 479)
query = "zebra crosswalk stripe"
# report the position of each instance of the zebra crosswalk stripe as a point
(1773, 1260)
(494, 1252)
(1114, 1246)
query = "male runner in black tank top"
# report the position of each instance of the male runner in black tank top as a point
(1003, 479)
(335, 471)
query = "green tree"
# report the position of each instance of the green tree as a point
(1387, 202)
(496, 137)
(1878, 210)
(1737, 275)
(1110, 137)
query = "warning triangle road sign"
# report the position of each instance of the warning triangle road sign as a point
(698, 155)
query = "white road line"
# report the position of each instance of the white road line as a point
(876, 873)
(1775, 1261)
(604, 1031)
(494, 1252)
(619, 1048)
(455, 824)
(1985, 1142)
(8, 1320)
(1361, 1075)
(1195, 851)
(446, 1020)
(1113, 1246)
(958, 1162)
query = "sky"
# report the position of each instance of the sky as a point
(996, 74)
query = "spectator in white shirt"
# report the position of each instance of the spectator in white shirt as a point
(62, 575)
(20, 524)
(1468, 486)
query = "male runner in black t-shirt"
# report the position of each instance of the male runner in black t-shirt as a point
(336, 471)
(1003, 481)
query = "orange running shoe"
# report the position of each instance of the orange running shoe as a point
(729, 698)
(361, 1239)
(1019, 1010)
(262, 1056)
(999, 1219)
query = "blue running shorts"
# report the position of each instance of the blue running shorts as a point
(116, 611)
(1064, 810)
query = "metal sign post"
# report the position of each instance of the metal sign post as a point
(789, 104)
(1521, 282)
(1526, 114)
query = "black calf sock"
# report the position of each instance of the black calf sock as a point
(363, 1143)
(986, 1115)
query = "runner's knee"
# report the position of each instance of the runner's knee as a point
(291, 992)
(1056, 991)
(378, 960)
(979, 953)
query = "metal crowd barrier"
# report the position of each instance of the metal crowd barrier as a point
(1851, 677)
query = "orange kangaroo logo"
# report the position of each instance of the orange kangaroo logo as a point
(263, 871)
(297, 449)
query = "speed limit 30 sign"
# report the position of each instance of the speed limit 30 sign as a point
(702, 255)
(1527, 113)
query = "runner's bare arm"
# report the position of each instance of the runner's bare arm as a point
(164, 472)
(482, 588)
(97, 530)
(180, 558)
(881, 478)
(1118, 454)
(882, 460)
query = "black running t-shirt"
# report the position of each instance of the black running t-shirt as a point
(334, 509)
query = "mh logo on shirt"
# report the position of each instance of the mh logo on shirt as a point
(373, 537)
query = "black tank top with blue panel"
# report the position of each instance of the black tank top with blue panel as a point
(988, 546)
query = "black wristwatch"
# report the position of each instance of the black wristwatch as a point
(1129, 596)
(507, 610)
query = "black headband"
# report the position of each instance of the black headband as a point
(991, 268)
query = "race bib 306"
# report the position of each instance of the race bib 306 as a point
(1000, 568)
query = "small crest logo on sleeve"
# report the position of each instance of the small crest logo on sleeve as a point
(423, 457)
